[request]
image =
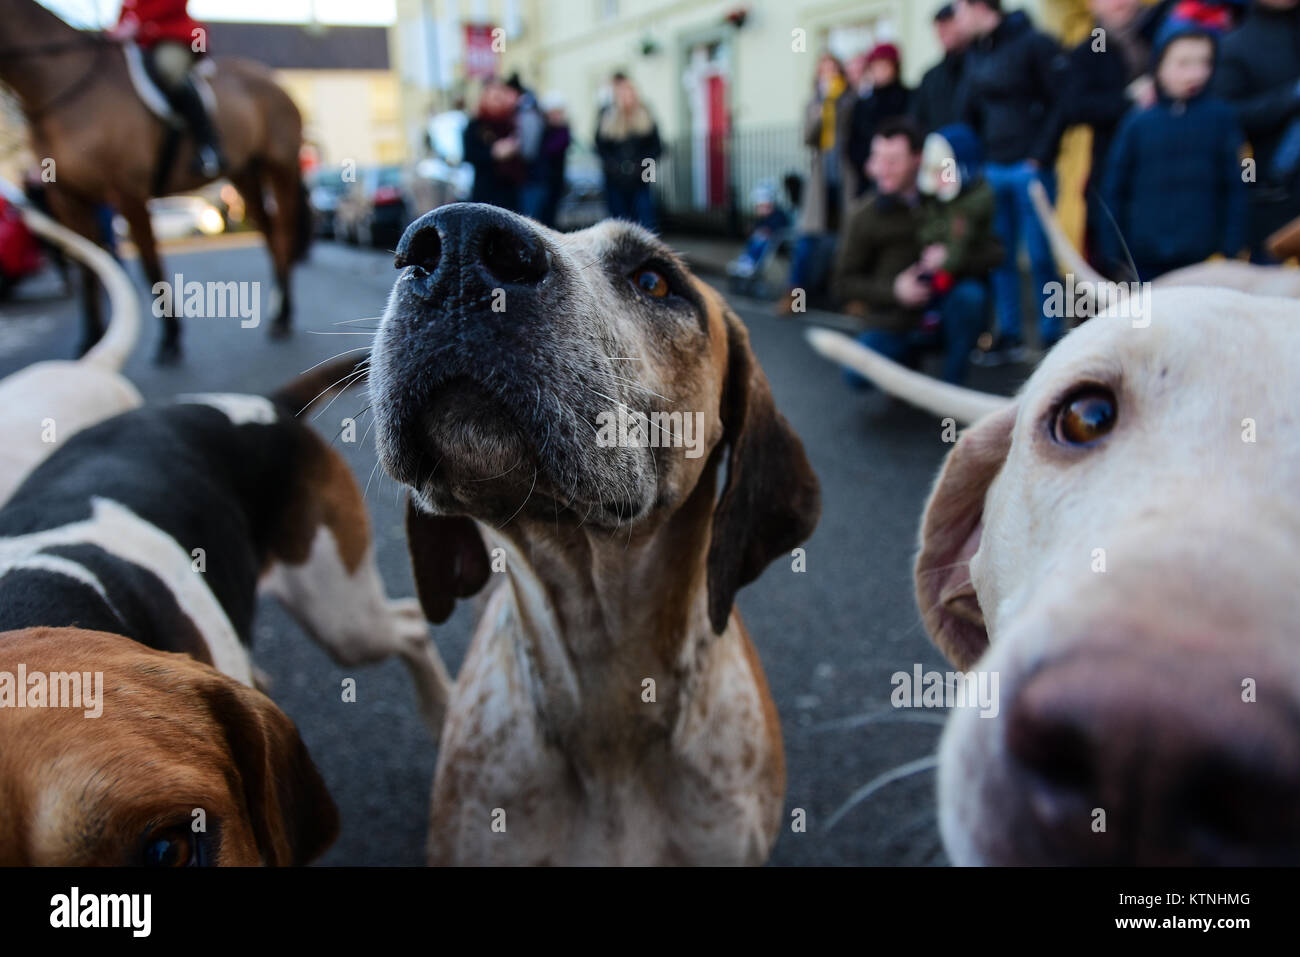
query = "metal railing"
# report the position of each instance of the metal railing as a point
(706, 181)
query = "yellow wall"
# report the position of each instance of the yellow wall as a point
(348, 114)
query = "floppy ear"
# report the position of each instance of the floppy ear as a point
(950, 535)
(771, 500)
(447, 557)
(291, 813)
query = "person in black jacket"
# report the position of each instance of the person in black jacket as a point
(1010, 93)
(887, 99)
(492, 147)
(626, 137)
(1173, 180)
(934, 104)
(1259, 75)
(1108, 74)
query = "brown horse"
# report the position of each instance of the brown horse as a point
(85, 115)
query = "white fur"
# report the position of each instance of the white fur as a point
(120, 532)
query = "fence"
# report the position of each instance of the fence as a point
(705, 182)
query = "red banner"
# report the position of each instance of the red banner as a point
(480, 58)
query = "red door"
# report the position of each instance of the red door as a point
(718, 131)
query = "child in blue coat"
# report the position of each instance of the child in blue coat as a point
(1174, 180)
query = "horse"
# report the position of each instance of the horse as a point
(85, 115)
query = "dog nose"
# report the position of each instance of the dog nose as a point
(1156, 762)
(506, 246)
(512, 252)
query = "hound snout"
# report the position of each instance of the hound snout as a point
(462, 239)
(1155, 759)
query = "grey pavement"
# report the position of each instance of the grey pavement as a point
(829, 638)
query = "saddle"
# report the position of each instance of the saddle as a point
(158, 103)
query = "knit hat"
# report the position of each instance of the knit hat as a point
(1191, 18)
(884, 51)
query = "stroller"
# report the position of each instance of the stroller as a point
(747, 273)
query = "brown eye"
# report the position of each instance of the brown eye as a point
(651, 283)
(168, 849)
(1085, 416)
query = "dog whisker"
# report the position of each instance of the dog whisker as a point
(342, 384)
(347, 352)
(361, 369)
(919, 766)
(887, 716)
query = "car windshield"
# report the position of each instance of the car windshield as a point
(389, 176)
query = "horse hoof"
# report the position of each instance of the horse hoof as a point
(281, 330)
(168, 354)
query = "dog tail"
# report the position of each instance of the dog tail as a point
(116, 345)
(940, 398)
(327, 378)
(1067, 257)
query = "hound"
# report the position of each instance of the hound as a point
(1118, 544)
(50, 401)
(136, 552)
(611, 708)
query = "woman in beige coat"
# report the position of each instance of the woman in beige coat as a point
(825, 200)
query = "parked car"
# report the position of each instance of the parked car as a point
(176, 217)
(20, 253)
(375, 209)
(325, 187)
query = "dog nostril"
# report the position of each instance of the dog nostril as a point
(421, 249)
(513, 255)
(1054, 748)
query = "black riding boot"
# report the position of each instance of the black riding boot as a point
(207, 151)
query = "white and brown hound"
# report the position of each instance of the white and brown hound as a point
(611, 708)
(137, 551)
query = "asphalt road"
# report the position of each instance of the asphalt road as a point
(829, 638)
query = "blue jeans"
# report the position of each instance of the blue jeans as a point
(962, 313)
(810, 261)
(1015, 220)
(636, 204)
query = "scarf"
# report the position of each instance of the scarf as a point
(828, 113)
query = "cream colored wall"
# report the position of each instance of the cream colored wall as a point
(349, 114)
(568, 46)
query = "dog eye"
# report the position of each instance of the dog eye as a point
(1085, 416)
(651, 282)
(171, 848)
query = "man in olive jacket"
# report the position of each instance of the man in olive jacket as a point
(913, 268)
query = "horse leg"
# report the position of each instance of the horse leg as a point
(79, 215)
(282, 240)
(136, 215)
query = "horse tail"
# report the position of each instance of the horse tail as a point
(303, 227)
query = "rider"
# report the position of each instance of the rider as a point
(172, 43)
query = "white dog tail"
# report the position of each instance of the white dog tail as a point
(118, 341)
(1067, 257)
(963, 405)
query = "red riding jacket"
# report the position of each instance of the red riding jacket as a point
(149, 21)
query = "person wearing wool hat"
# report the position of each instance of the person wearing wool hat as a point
(1174, 180)
(886, 99)
(959, 244)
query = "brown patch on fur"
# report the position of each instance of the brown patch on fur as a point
(174, 735)
(950, 535)
(323, 492)
(775, 770)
